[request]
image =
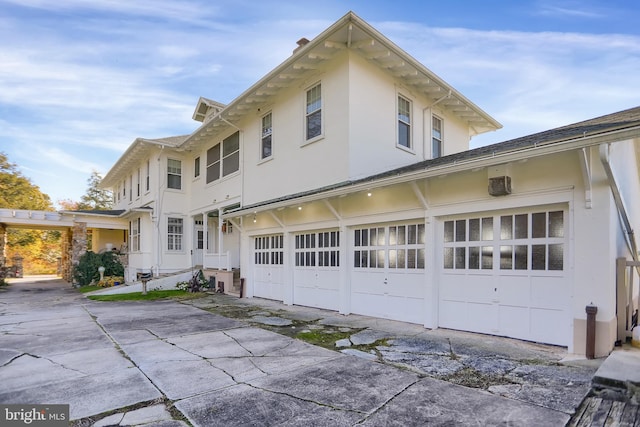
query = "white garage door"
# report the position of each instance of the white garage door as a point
(268, 259)
(506, 275)
(388, 278)
(316, 274)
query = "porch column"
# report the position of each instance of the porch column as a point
(78, 243)
(205, 238)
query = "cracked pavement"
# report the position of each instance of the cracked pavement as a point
(110, 361)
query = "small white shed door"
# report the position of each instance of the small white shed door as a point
(268, 260)
(387, 279)
(316, 274)
(506, 275)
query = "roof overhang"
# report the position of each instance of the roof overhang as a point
(348, 33)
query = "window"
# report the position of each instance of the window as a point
(138, 184)
(174, 174)
(463, 244)
(268, 250)
(313, 123)
(393, 247)
(266, 137)
(130, 187)
(174, 234)
(118, 192)
(318, 249)
(147, 178)
(134, 232)
(436, 137)
(196, 167)
(124, 189)
(404, 122)
(223, 158)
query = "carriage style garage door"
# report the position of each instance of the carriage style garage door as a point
(506, 275)
(316, 273)
(387, 279)
(268, 260)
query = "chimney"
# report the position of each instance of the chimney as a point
(301, 43)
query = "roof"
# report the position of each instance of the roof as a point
(349, 32)
(137, 151)
(623, 120)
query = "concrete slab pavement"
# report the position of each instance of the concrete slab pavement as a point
(214, 370)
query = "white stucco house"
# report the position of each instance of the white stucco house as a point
(343, 180)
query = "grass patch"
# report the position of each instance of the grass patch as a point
(323, 337)
(88, 288)
(150, 296)
(470, 377)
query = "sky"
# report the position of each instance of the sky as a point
(80, 80)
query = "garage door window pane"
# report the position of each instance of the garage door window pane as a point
(402, 230)
(506, 227)
(461, 230)
(487, 228)
(538, 225)
(522, 226)
(474, 258)
(555, 257)
(538, 257)
(421, 234)
(487, 257)
(556, 224)
(460, 258)
(448, 231)
(413, 237)
(474, 230)
(448, 257)
(506, 257)
(421, 256)
(521, 253)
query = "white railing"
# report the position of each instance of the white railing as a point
(221, 261)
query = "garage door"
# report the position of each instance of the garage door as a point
(387, 279)
(316, 274)
(268, 262)
(506, 275)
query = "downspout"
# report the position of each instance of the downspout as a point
(617, 197)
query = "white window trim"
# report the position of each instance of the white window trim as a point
(182, 234)
(410, 148)
(197, 177)
(147, 179)
(441, 135)
(180, 175)
(306, 141)
(260, 139)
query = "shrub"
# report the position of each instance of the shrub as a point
(87, 269)
(109, 281)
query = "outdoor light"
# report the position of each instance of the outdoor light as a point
(101, 271)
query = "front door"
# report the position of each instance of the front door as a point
(198, 244)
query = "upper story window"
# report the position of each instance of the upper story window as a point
(404, 122)
(147, 183)
(196, 167)
(174, 174)
(313, 119)
(134, 233)
(124, 189)
(118, 192)
(223, 157)
(130, 187)
(138, 184)
(436, 137)
(174, 234)
(266, 137)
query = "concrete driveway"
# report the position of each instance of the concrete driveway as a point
(167, 363)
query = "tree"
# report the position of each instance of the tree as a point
(39, 249)
(95, 198)
(17, 191)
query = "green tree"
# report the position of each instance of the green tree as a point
(96, 198)
(39, 249)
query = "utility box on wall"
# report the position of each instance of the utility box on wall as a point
(500, 186)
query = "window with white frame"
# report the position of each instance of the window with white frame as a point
(174, 234)
(436, 137)
(404, 122)
(147, 179)
(138, 184)
(196, 167)
(130, 187)
(134, 233)
(313, 113)
(399, 246)
(317, 249)
(174, 174)
(124, 189)
(268, 250)
(266, 136)
(224, 158)
(118, 192)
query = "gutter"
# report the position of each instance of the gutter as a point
(617, 197)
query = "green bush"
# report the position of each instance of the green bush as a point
(87, 269)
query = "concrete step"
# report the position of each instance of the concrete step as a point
(620, 370)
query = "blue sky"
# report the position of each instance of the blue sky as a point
(81, 79)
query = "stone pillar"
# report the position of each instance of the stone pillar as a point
(78, 244)
(3, 240)
(17, 265)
